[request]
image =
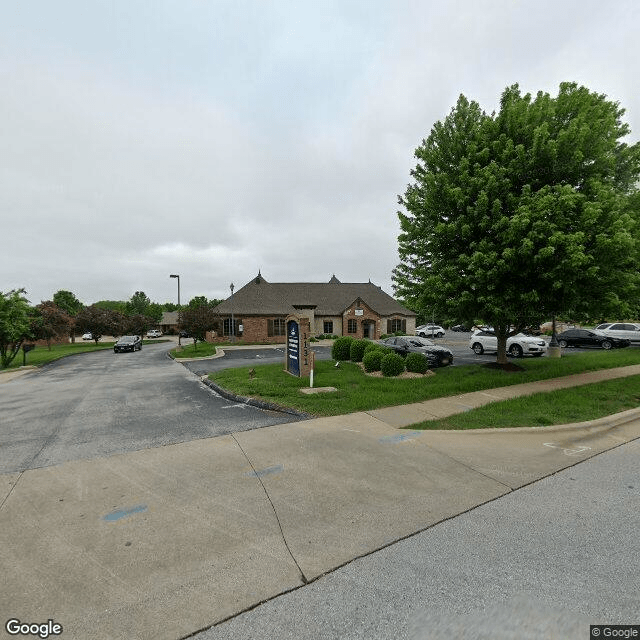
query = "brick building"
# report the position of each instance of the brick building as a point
(361, 310)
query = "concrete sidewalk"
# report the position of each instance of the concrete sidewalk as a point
(163, 542)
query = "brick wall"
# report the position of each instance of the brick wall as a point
(364, 315)
(254, 329)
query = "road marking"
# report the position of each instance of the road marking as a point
(567, 452)
(401, 437)
(124, 513)
(278, 468)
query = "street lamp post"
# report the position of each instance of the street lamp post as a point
(233, 333)
(175, 275)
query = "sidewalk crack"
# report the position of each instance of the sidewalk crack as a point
(284, 539)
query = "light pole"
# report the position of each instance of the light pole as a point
(175, 275)
(233, 333)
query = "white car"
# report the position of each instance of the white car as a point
(154, 333)
(628, 330)
(87, 336)
(430, 331)
(517, 346)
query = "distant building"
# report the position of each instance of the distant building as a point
(361, 310)
(169, 322)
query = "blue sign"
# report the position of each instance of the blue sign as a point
(293, 347)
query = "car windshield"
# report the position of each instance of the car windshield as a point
(421, 342)
(127, 339)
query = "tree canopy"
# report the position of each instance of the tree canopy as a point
(523, 214)
(15, 325)
(197, 320)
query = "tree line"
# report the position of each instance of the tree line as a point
(65, 316)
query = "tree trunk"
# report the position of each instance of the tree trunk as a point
(502, 333)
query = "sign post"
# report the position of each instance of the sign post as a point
(300, 357)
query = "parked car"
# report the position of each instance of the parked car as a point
(87, 336)
(628, 330)
(459, 327)
(430, 331)
(128, 343)
(436, 355)
(154, 333)
(600, 327)
(590, 338)
(517, 346)
(184, 334)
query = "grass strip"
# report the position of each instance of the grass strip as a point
(201, 350)
(41, 355)
(578, 404)
(359, 392)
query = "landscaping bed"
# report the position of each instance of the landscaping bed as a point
(357, 391)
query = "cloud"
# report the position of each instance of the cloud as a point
(213, 140)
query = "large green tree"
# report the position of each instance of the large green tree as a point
(523, 214)
(15, 325)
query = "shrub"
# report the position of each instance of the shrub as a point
(356, 350)
(416, 362)
(341, 349)
(372, 346)
(372, 360)
(392, 365)
(321, 336)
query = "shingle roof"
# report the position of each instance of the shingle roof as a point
(259, 297)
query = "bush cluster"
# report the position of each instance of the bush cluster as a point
(372, 360)
(341, 349)
(417, 363)
(392, 365)
(357, 348)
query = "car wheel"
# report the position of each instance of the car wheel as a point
(606, 344)
(440, 335)
(478, 349)
(516, 351)
(563, 343)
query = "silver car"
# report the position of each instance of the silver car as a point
(628, 330)
(517, 346)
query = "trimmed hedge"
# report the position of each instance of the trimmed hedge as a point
(372, 346)
(392, 365)
(356, 350)
(416, 363)
(341, 348)
(372, 360)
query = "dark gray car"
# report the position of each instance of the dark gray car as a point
(436, 355)
(128, 343)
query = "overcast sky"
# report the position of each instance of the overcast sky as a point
(215, 138)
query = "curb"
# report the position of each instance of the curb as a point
(253, 402)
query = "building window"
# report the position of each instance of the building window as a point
(226, 328)
(396, 325)
(328, 326)
(276, 327)
(352, 326)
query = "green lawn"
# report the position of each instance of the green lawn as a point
(42, 355)
(358, 392)
(564, 406)
(201, 350)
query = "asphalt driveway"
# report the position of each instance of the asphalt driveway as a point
(101, 403)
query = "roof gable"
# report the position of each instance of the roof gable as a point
(259, 297)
